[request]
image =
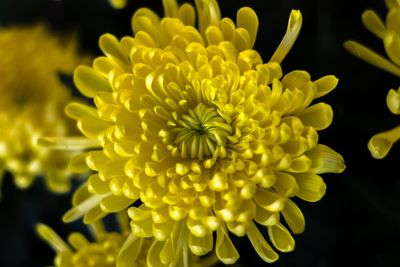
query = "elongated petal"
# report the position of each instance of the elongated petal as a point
(325, 159)
(247, 18)
(325, 85)
(373, 23)
(51, 237)
(311, 187)
(225, 250)
(261, 246)
(281, 238)
(129, 251)
(371, 57)
(293, 30)
(153, 257)
(293, 217)
(89, 82)
(68, 143)
(78, 211)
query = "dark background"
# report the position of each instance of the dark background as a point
(357, 223)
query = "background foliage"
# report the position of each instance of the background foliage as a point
(357, 222)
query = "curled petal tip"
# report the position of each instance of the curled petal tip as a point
(292, 32)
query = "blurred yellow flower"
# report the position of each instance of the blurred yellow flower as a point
(102, 252)
(380, 144)
(211, 139)
(32, 103)
(106, 248)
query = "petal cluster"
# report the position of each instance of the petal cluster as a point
(79, 251)
(107, 247)
(389, 32)
(32, 103)
(203, 136)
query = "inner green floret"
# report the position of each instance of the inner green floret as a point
(200, 132)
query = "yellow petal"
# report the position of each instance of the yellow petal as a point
(247, 18)
(311, 186)
(325, 159)
(111, 47)
(77, 164)
(115, 203)
(77, 240)
(285, 184)
(52, 238)
(200, 246)
(281, 238)
(393, 20)
(261, 246)
(391, 4)
(96, 185)
(373, 23)
(81, 209)
(265, 217)
(129, 251)
(269, 200)
(380, 144)
(224, 248)
(77, 111)
(318, 116)
(170, 8)
(371, 57)
(118, 4)
(89, 82)
(187, 14)
(300, 164)
(392, 46)
(68, 143)
(142, 228)
(93, 215)
(23, 180)
(208, 14)
(393, 101)
(153, 256)
(293, 217)
(292, 31)
(325, 85)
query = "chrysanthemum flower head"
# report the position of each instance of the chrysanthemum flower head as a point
(210, 139)
(389, 31)
(32, 103)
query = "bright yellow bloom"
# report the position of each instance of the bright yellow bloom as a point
(380, 144)
(212, 140)
(118, 4)
(32, 103)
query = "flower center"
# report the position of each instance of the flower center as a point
(199, 133)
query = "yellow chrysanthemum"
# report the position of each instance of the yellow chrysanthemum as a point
(32, 103)
(106, 248)
(207, 136)
(380, 144)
